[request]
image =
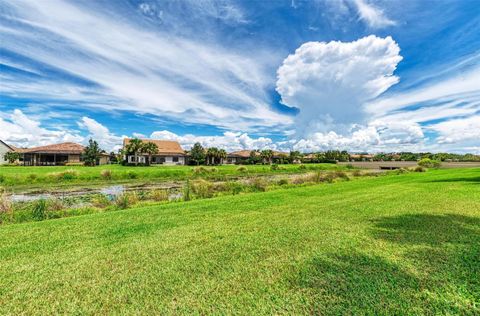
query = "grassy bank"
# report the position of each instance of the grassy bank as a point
(35, 177)
(406, 244)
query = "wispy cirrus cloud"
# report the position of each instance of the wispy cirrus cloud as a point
(144, 70)
(372, 15)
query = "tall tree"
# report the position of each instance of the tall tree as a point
(150, 149)
(254, 156)
(211, 155)
(222, 155)
(197, 154)
(295, 156)
(92, 153)
(266, 155)
(134, 147)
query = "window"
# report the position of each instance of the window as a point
(175, 159)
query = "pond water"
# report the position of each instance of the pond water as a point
(110, 191)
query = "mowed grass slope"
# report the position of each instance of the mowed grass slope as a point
(405, 244)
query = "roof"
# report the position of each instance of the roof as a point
(164, 146)
(240, 153)
(361, 156)
(7, 145)
(280, 154)
(246, 154)
(62, 148)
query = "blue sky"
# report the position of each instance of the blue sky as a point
(309, 75)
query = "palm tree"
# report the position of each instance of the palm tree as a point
(295, 156)
(254, 154)
(150, 149)
(222, 155)
(212, 153)
(134, 147)
(266, 155)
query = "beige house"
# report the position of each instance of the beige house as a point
(169, 153)
(52, 155)
(49, 155)
(237, 157)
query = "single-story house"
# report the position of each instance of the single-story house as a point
(241, 156)
(49, 155)
(361, 157)
(52, 155)
(169, 153)
(237, 157)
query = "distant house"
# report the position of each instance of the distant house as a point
(52, 155)
(241, 156)
(49, 155)
(361, 157)
(237, 157)
(169, 153)
(5, 148)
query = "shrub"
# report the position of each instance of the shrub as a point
(200, 170)
(202, 188)
(349, 166)
(69, 174)
(213, 169)
(302, 167)
(274, 167)
(106, 174)
(159, 195)
(126, 199)
(401, 171)
(100, 201)
(283, 182)
(341, 174)
(132, 174)
(2, 178)
(357, 173)
(429, 163)
(259, 184)
(235, 187)
(40, 210)
(55, 205)
(419, 169)
(242, 169)
(298, 180)
(32, 177)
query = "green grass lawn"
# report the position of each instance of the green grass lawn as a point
(32, 177)
(399, 244)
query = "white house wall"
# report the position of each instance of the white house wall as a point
(3, 150)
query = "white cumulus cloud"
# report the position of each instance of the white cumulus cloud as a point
(330, 82)
(229, 141)
(22, 131)
(98, 132)
(375, 137)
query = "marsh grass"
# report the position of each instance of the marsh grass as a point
(159, 195)
(106, 174)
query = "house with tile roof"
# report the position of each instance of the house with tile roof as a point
(49, 155)
(169, 153)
